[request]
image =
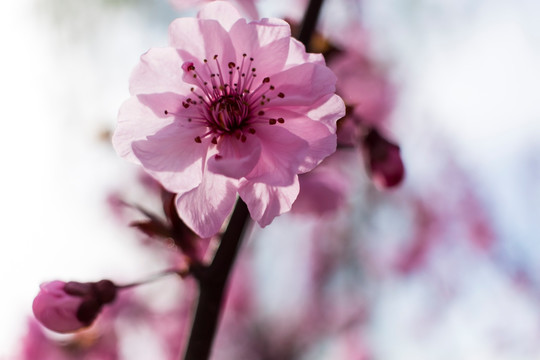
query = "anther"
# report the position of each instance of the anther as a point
(243, 138)
(215, 57)
(281, 95)
(271, 122)
(281, 120)
(251, 130)
(214, 140)
(231, 65)
(166, 112)
(198, 140)
(261, 113)
(266, 80)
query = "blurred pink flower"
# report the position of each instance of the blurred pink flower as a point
(246, 6)
(370, 99)
(68, 307)
(325, 189)
(363, 87)
(229, 108)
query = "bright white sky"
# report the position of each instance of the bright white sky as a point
(470, 71)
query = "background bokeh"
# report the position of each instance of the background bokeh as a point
(449, 261)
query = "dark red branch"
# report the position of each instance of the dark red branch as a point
(212, 282)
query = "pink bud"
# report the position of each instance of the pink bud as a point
(383, 160)
(68, 307)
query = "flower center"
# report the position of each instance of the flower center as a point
(229, 102)
(228, 113)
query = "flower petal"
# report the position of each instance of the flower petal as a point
(298, 55)
(160, 70)
(328, 110)
(235, 158)
(249, 8)
(221, 11)
(205, 208)
(282, 154)
(135, 122)
(266, 41)
(321, 141)
(199, 39)
(173, 157)
(266, 202)
(303, 84)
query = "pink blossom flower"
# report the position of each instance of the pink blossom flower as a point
(67, 307)
(230, 107)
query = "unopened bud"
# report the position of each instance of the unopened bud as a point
(68, 307)
(383, 160)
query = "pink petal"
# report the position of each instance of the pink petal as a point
(173, 157)
(221, 11)
(321, 141)
(281, 156)
(328, 110)
(198, 39)
(266, 202)
(297, 55)
(205, 208)
(249, 8)
(158, 71)
(266, 41)
(164, 105)
(235, 158)
(135, 122)
(303, 84)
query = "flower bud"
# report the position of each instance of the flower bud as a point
(383, 160)
(68, 307)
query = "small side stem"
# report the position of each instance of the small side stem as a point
(212, 281)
